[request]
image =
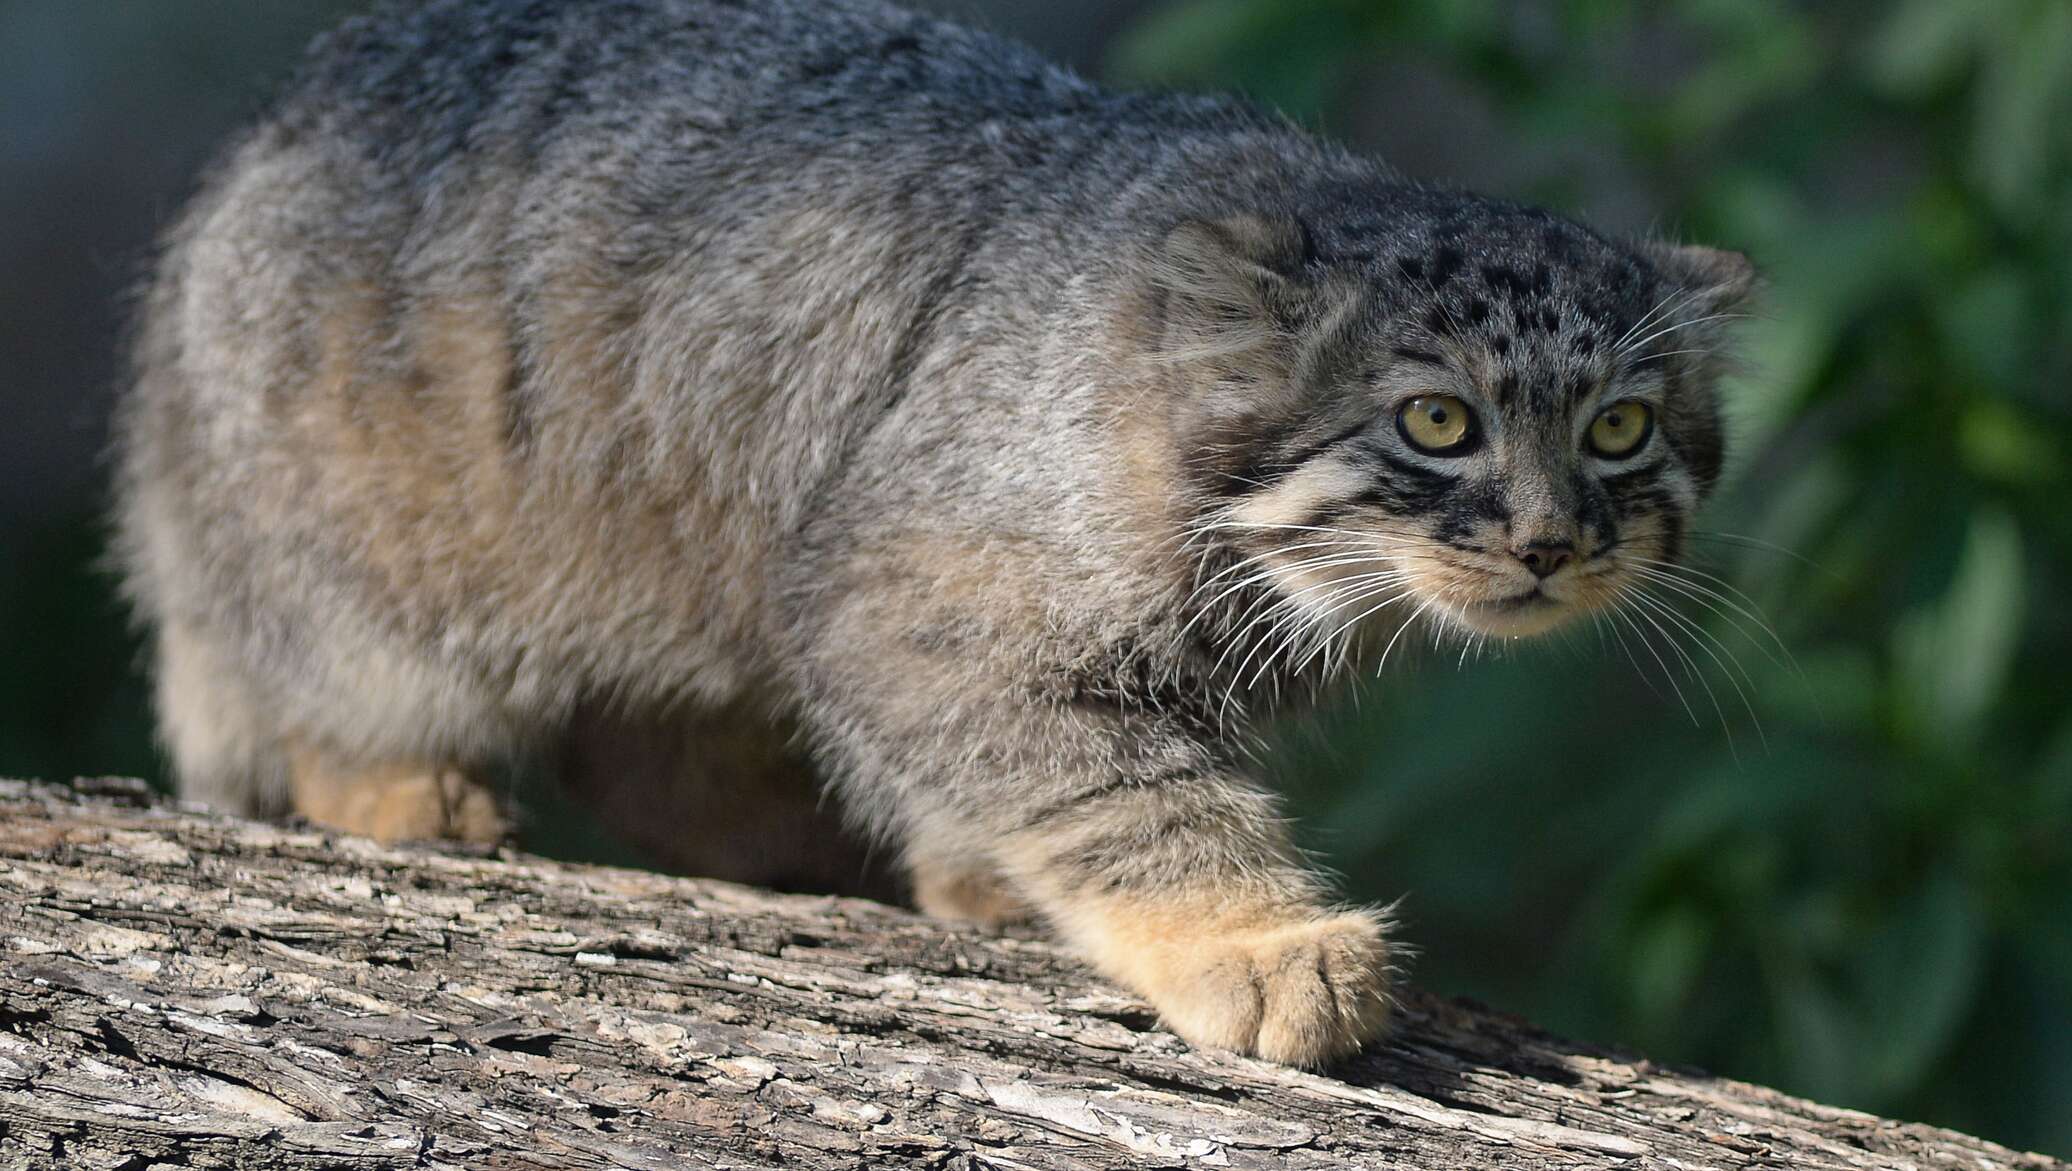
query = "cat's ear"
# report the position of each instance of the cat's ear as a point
(1235, 261)
(1230, 285)
(1719, 280)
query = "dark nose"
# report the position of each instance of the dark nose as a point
(1544, 557)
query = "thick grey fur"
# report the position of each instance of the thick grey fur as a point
(537, 368)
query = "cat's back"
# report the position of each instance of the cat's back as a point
(572, 185)
(424, 80)
(512, 320)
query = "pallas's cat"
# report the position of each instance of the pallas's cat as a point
(855, 393)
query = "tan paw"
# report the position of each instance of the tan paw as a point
(1301, 991)
(399, 804)
(964, 895)
(469, 811)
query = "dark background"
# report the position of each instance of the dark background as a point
(1846, 870)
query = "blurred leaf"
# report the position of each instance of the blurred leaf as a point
(1834, 271)
(1921, 46)
(1668, 956)
(1998, 443)
(1954, 656)
(2026, 88)
(2054, 778)
(1776, 57)
(1812, 1032)
(1290, 58)
(1189, 40)
(1844, 683)
(1919, 974)
(1801, 509)
(1986, 327)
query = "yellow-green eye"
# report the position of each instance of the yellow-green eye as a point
(1619, 429)
(1438, 424)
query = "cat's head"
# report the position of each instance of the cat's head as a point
(1430, 403)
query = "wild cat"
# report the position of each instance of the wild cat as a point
(839, 390)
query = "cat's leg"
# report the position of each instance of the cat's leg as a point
(235, 747)
(223, 739)
(1185, 888)
(387, 740)
(1132, 835)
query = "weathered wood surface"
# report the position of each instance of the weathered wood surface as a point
(183, 990)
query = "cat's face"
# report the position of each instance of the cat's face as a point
(1498, 420)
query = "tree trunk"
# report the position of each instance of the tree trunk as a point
(192, 991)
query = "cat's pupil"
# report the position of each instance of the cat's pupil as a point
(1439, 415)
(1613, 419)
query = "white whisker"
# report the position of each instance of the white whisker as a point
(1673, 327)
(1705, 641)
(1690, 666)
(1667, 675)
(1681, 297)
(1721, 605)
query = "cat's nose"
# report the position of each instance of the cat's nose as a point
(1544, 557)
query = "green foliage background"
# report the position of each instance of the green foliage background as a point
(1857, 887)
(1869, 899)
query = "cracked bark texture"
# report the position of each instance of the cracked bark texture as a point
(185, 990)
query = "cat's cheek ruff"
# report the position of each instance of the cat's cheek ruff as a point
(1288, 535)
(1303, 499)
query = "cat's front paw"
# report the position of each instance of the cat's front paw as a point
(1302, 991)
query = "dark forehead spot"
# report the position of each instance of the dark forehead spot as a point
(1523, 288)
(1509, 281)
(1446, 260)
(1503, 279)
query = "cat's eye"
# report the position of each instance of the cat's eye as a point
(1620, 429)
(1437, 424)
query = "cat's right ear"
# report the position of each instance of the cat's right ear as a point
(1719, 280)
(1229, 286)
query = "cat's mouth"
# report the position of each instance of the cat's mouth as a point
(1532, 597)
(1515, 615)
(1498, 604)
(1465, 589)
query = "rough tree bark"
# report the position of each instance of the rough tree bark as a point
(191, 991)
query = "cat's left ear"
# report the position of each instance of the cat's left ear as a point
(1721, 280)
(1231, 287)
